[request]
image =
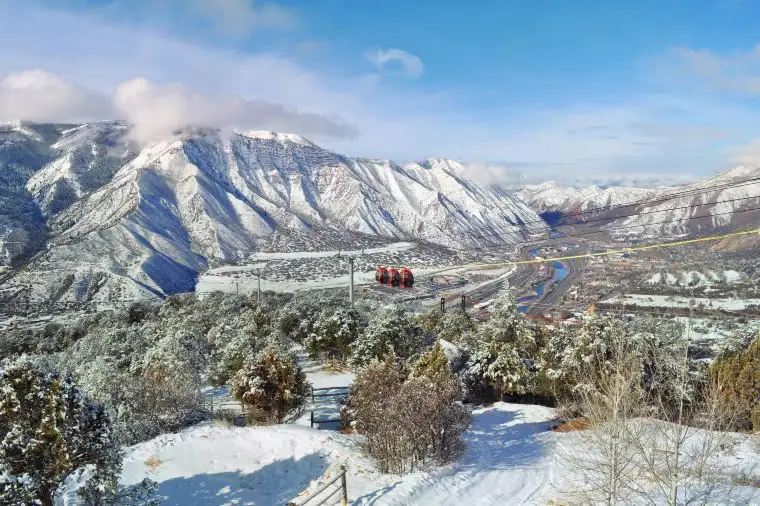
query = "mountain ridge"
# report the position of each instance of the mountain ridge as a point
(123, 221)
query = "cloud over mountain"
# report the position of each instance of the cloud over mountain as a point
(154, 111)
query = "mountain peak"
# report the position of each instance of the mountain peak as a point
(276, 136)
(740, 172)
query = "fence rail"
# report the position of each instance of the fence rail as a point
(315, 500)
(320, 393)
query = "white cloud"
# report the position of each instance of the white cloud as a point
(412, 64)
(154, 111)
(37, 95)
(157, 111)
(240, 16)
(737, 72)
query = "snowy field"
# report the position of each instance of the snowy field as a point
(665, 301)
(508, 461)
(397, 246)
(511, 459)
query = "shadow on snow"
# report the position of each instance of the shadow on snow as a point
(275, 483)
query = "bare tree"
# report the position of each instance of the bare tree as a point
(601, 459)
(683, 451)
(667, 446)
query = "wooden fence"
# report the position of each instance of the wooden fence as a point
(317, 498)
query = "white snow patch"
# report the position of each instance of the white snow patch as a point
(728, 304)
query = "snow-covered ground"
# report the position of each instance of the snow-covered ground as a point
(508, 461)
(511, 458)
(728, 304)
(279, 255)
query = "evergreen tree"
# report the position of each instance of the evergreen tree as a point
(503, 352)
(48, 432)
(454, 325)
(390, 330)
(433, 364)
(333, 333)
(737, 377)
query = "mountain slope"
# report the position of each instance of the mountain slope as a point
(125, 223)
(726, 201)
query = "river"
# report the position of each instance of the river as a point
(560, 273)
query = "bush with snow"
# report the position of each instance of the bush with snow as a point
(50, 431)
(271, 384)
(408, 420)
(390, 330)
(737, 377)
(451, 326)
(333, 333)
(502, 353)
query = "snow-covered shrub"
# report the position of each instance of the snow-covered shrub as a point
(589, 353)
(454, 326)
(736, 377)
(272, 383)
(333, 333)
(408, 422)
(232, 342)
(144, 493)
(164, 397)
(49, 431)
(390, 329)
(433, 364)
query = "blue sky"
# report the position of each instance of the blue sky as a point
(576, 91)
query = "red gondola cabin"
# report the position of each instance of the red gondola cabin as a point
(407, 278)
(381, 276)
(394, 277)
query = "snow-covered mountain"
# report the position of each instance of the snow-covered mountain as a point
(117, 222)
(728, 200)
(551, 196)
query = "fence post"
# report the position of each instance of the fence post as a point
(344, 502)
(463, 302)
(443, 304)
(312, 419)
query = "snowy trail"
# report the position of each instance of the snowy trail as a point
(508, 461)
(326, 408)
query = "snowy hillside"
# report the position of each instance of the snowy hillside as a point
(730, 200)
(126, 223)
(551, 196)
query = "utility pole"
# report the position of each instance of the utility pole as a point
(258, 280)
(351, 280)
(443, 305)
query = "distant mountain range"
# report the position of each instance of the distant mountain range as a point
(92, 216)
(728, 200)
(88, 215)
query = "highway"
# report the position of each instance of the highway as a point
(553, 294)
